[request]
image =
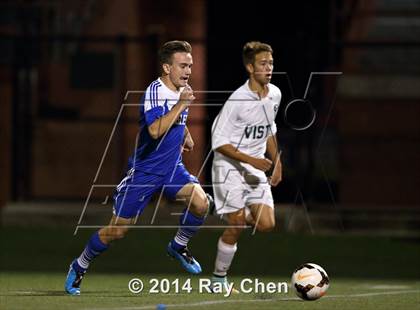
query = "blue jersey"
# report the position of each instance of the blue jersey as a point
(159, 156)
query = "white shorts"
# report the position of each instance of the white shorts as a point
(237, 185)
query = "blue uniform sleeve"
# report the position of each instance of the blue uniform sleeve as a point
(153, 114)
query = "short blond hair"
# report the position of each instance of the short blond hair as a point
(253, 48)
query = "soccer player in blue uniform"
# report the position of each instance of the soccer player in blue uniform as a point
(156, 166)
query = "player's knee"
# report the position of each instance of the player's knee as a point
(231, 234)
(265, 226)
(200, 206)
(119, 233)
(237, 221)
(204, 205)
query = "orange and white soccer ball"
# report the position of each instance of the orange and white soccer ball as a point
(310, 281)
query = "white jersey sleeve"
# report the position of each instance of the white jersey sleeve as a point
(224, 125)
(154, 101)
(153, 96)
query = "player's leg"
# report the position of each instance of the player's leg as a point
(184, 186)
(193, 215)
(227, 244)
(229, 190)
(259, 212)
(97, 244)
(260, 204)
(263, 218)
(195, 198)
(100, 240)
(226, 249)
(190, 222)
(130, 199)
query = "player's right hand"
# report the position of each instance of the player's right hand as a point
(263, 164)
(187, 96)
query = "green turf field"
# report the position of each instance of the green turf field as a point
(110, 291)
(144, 251)
(366, 272)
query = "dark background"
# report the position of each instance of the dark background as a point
(65, 69)
(71, 77)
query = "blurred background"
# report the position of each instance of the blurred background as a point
(72, 73)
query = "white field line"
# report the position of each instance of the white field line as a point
(230, 301)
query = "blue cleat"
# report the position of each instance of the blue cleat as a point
(73, 280)
(185, 258)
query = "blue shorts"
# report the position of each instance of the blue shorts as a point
(137, 188)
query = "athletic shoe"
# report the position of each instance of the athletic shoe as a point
(185, 258)
(73, 280)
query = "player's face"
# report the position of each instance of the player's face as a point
(180, 69)
(263, 67)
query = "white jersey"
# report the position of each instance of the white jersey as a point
(245, 122)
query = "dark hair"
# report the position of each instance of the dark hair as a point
(172, 47)
(253, 48)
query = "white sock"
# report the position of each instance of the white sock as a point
(225, 254)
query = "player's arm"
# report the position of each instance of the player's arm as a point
(230, 151)
(274, 154)
(188, 141)
(161, 125)
(225, 127)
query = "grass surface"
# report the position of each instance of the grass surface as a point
(366, 272)
(144, 251)
(110, 291)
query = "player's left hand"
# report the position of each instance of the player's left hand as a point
(276, 177)
(188, 143)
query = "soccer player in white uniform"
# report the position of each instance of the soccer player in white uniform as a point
(242, 134)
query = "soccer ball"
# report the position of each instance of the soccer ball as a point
(310, 281)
